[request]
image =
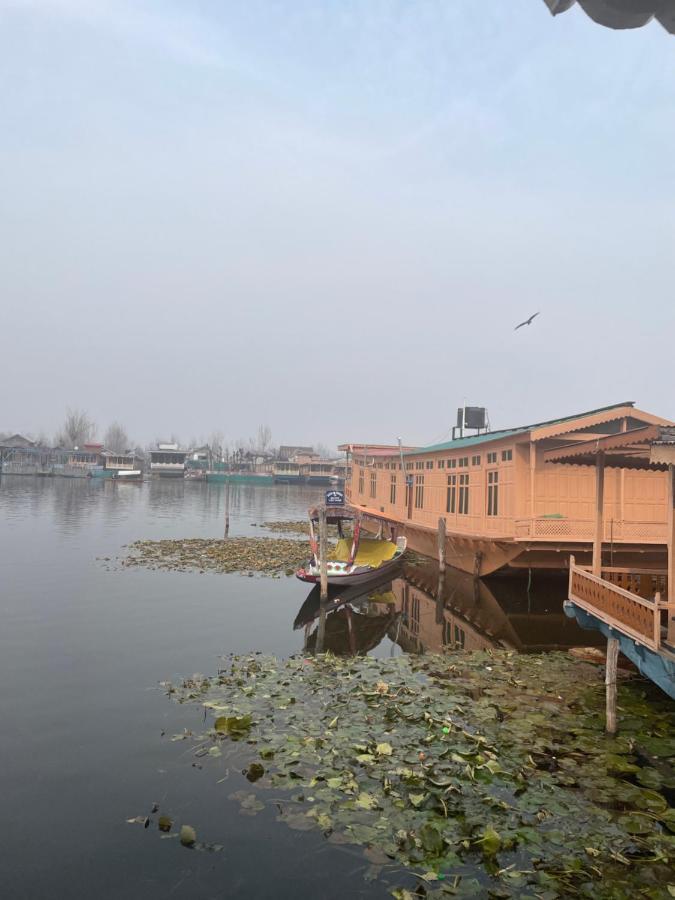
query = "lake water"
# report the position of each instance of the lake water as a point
(85, 735)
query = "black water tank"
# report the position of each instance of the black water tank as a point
(472, 417)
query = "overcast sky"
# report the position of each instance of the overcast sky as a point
(329, 215)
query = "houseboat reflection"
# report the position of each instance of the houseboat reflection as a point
(422, 611)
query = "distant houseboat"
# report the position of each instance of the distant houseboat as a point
(505, 507)
(317, 472)
(79, 462)
(285, 472)
(122, 466)
(167, 461)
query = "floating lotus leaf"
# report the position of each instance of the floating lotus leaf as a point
(514, 805)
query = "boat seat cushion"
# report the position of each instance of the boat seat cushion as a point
(371, 551)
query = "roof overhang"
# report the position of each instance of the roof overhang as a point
(621, 14)
(633, 449)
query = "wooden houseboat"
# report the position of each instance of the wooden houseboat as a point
(286, 472)
(167, 461)
(121, 466)
(317, 472)
(78, 462)
(505, 505)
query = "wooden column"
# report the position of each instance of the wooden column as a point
(533, 469)
(610, 684)
(441, 544)
(599, 512)
(227, 504)
(323, 550)
(670, 584)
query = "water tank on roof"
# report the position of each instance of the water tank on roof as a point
(472, 417)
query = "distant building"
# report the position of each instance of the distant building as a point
(17, 442)
(289, 451)
(167, 461)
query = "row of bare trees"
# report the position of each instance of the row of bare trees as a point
(79, 428)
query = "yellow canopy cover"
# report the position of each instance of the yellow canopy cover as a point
(371, 551)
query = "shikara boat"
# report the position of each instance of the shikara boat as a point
(354, 559)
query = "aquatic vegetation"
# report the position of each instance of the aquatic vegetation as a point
(477, 774)
(294, 526)
(267, 556)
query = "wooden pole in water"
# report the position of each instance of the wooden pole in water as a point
(441, 544)
(610, 684)
(599, 513)
(323, 551)
(227, 504)
(670, 576)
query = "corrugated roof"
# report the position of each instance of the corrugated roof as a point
(621, 13)
(509, 432)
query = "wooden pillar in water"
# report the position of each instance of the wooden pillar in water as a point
(440, 603)
(670, 583)
(227, 504)
(599, 512)
(610, 684)
(441, 545)
(323, 551)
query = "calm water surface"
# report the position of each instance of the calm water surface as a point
(84, 735)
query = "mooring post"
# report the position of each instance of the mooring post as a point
(323, 551)
(227, 504)
(610, 684)
(441, 544)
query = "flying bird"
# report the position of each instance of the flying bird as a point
(527, 321)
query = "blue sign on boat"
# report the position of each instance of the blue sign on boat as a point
(335, 498)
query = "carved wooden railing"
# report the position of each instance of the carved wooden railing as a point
(554, 528)
(638, 617)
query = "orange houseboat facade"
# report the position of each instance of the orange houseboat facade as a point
(504, 507)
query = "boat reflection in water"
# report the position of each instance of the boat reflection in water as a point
(421, 611)
(355, 620)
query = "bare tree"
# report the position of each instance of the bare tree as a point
(116, 439)
(324, 452)
(264, 438)
(216, 445)
(77, 429)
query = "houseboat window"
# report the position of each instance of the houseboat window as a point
(409, 465)
(360, 481)
(392, 489)
(492, 458)
(419, 491)
(475, 460)
(451, 499)
(452, 463)
(493, 494)
(460, 638)
(463, 462)
(373, 484)
(430, 464)
(507, 455)
(463, 495)
(408, 489)
(441, 463)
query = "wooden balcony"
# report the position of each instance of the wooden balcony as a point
(645, 619)
(544, 528)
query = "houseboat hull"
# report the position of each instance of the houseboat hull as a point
(658, 668)
(288, 479)
(118, 474)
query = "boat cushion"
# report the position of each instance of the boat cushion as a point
(371, 551)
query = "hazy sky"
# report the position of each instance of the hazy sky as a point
(329, 215)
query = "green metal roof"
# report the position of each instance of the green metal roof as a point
(487, 436)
